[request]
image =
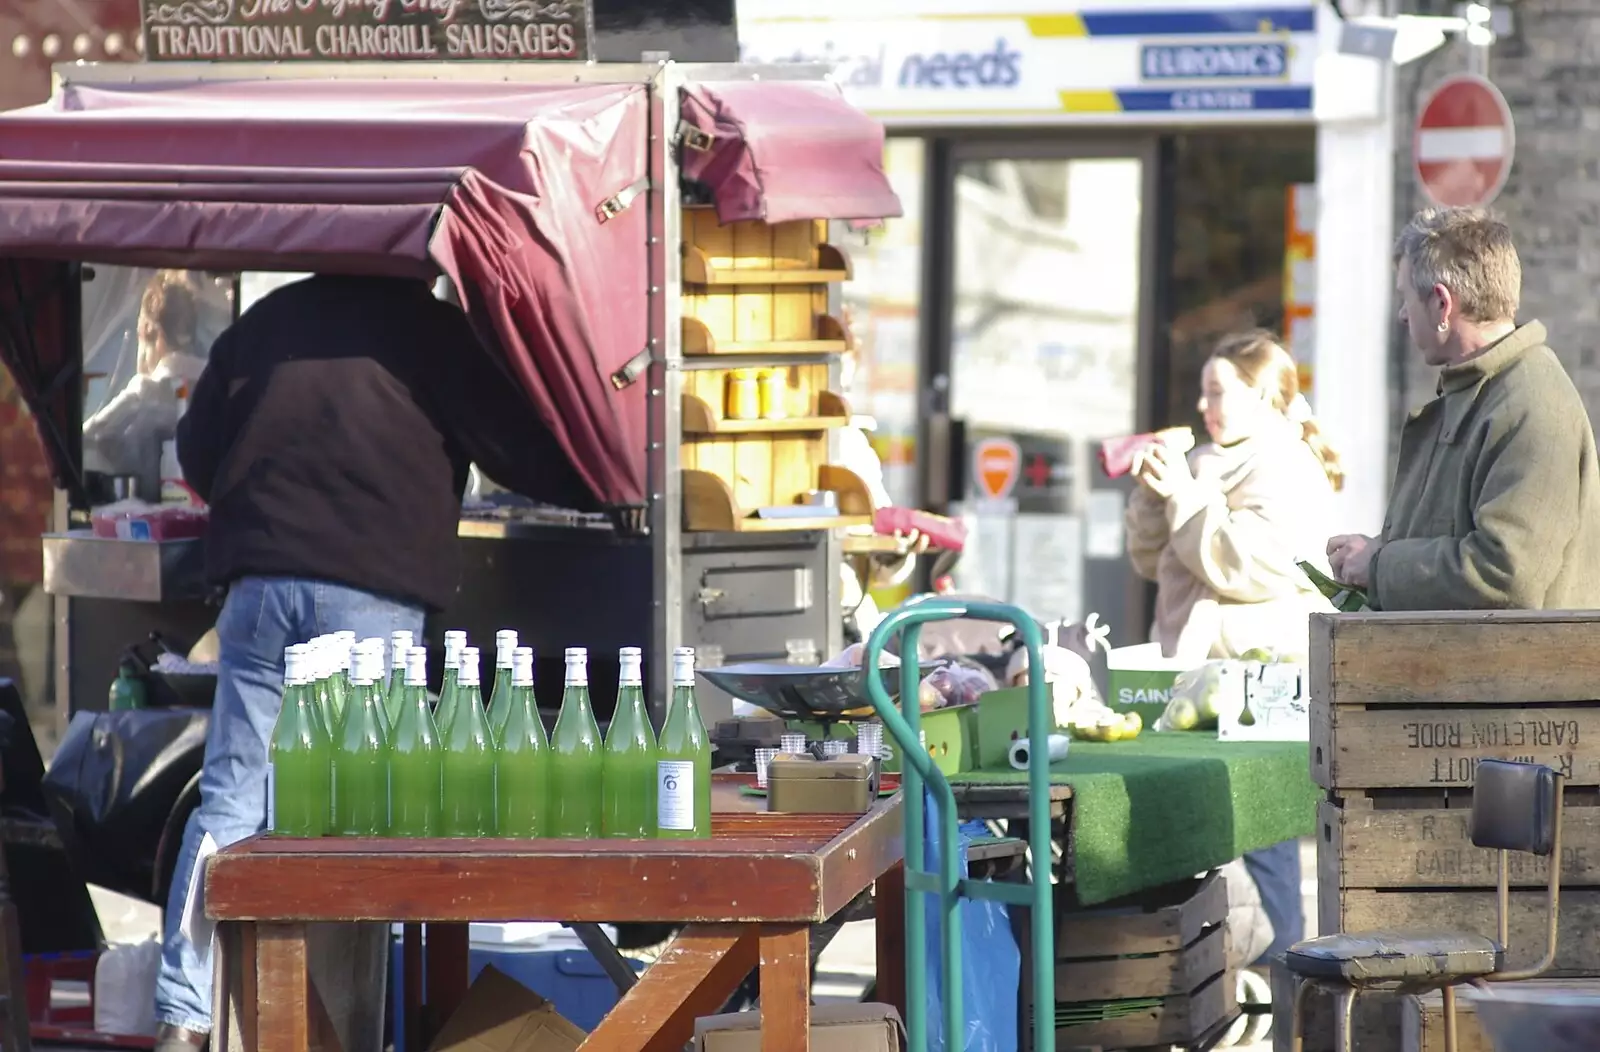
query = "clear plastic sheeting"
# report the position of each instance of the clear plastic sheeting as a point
(146, 337)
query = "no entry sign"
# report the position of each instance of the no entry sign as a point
(1464, 142)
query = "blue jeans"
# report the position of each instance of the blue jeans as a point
(1276, 870)
(262, 616)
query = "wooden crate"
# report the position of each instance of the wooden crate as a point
(1170, 953)
(1404, 706)
(757, 295)
(1424, 1028)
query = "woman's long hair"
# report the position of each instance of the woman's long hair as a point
(1262, 363)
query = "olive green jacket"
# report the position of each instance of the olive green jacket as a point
(1496, 498)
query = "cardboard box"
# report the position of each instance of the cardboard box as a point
(499, 1014)
(836, 1028)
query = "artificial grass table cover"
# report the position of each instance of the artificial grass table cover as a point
(1166, 806)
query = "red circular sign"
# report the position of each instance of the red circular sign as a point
(1464, 142)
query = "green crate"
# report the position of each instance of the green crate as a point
(1002, 719)
(952, 736)
(1139, 679)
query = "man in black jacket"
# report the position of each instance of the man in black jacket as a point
(331, 435)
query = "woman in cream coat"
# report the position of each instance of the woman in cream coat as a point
(1219, 530)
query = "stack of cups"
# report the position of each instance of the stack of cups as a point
(835, 747)
(793, 744)
(763, 760)
(869, 739)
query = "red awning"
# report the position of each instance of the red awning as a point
(782, 150)
(498, 186)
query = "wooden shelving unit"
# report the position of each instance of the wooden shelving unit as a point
(758, 295)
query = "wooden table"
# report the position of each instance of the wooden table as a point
(748, 898)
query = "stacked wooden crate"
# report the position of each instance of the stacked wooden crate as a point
(1403, 708)
(757, 296)
(1149, 973)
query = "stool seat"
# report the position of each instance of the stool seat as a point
(1371, 958)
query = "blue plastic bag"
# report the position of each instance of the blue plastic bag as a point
(991, 963)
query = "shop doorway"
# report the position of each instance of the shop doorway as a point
(1039, 348)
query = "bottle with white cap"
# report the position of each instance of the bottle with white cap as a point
(454, 642)
(683, 768)
(400, 643)
(575, 757)
(505, 645)
(416, 785)
(299, 756)
(361, 752)
(468, 764)
(522, 763)
(628, 761)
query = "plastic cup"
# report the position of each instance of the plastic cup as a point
(835, 747)
(763, 759)
(794, 744)
(869, 739)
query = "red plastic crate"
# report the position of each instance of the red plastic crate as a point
(68, 1024)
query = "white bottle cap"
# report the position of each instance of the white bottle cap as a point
(632, 661)
(295, 659)
(455, 635)
(683, 667)
(368, 666)
(522, 667)
(453, 642)
(399, 646)
(505, 644)
(344, 651)
(468, 676)
(417, 667)
(345, 636)
(577, 667)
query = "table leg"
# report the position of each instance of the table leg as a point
(693, 977)
(891, 938)
(785, 988)
(282, 989)
(447, 965)
(411, 970)
(233, 996)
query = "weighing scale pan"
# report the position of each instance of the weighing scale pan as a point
(798, 692)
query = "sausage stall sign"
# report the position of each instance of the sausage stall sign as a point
(366, 30)
(1464, 142)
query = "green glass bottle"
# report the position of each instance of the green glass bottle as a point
(468, 763)
(299, 757)
(683, 785)
(341, 648)
(319, 678)
(505, 645)
(628, 762)
(400, 644)
(444, 713)
(416, 784)
(575, 757)
(522, 763)
(376, 651)
(361, 755)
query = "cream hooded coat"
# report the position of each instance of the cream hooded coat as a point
(1222, 549)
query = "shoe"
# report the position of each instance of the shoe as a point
(177, 1039)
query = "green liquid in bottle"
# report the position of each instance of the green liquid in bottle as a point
(684, 763)
(522, 765)
(575, 757)
(361, 757)
(416, 754)
(444, 715)
(299, 758)
(468, 763)
(500, 703)
(628, 762)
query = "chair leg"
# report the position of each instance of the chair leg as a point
(1449, 996)
(1343, 1009)
(14, 1027)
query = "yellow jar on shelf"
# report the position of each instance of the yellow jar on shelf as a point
(743, 401)
(772, 394)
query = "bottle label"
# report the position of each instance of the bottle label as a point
(272, 791)
(675, 794)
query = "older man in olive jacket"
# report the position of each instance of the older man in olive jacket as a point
(1496, 497)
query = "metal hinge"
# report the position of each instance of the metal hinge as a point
(615, 205)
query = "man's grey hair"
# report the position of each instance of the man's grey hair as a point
(1468, 251)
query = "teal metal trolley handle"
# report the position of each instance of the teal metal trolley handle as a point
(944, 881)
